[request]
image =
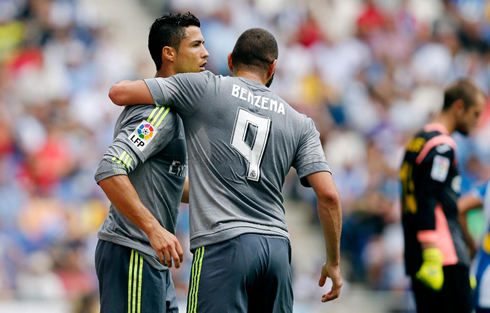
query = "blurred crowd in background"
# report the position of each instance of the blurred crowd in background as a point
(370, 73)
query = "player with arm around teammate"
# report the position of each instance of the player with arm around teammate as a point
(479, 197)
(435, 250)
(242, 140)
(143, 174)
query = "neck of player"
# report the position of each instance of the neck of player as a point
(256, 77)
(447, 120)
(165, 72)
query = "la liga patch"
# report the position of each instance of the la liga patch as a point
(143, 135)
(440, 168)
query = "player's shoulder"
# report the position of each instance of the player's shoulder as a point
(151, 114)
(204, 75)
(433, 142)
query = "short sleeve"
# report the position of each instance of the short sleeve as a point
(309, 157)
(145, 131)
(183, 92)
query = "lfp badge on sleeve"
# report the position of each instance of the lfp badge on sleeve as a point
(143, 135)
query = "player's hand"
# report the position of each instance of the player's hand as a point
(430, 273)
(167, 246)
(334, 273)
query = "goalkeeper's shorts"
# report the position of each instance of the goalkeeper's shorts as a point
(455, 295)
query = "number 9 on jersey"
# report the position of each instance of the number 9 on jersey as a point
(249, 138)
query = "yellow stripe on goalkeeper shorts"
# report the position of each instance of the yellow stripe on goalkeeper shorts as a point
(163, 116)
(152, 113)
(135, 280)
(160, 111)
(121, 157)
(193, 279)
(130, 280)
(140, 277)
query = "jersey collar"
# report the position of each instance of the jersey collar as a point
(436, 127)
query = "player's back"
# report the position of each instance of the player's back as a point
(242, 140)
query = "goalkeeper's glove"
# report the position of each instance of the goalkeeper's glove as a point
(430, 273)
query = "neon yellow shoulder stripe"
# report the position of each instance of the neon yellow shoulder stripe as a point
(152, 113)
(161, 119)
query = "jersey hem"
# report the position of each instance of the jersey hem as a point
(235, 231)
(147, 256)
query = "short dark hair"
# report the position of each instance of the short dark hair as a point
(463, 89)
(169, 30)
(256, 48)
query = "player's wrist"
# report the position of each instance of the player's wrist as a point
(334, 263)
(432, 255)
(150, 226)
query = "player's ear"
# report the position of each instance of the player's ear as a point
(230, 64)
(272, 68)
(169, 53)
(459, 107)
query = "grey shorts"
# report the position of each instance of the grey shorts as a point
(249, 273)
(127, 283)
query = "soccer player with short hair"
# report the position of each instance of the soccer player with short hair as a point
(242, 141)
(143, 174)
(435, 250)
(479, 197)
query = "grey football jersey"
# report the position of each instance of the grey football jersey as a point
(149, 147)
(242, 140)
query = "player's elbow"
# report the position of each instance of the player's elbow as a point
(328, 196)
(117, 94)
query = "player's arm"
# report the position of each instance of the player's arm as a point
(185, 194)
(129, 92)
(123, 156)
(182, 92)
(313, 171)
(122, 195)
(470, 201)
(330, 213)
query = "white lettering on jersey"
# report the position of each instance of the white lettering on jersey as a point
(178, 169)
(281, 108)
(257, 99)
(440, 168)
(273, 105)
(263, 103)
(143, 135)
(242, 92)
(235, 90)
(250, 98)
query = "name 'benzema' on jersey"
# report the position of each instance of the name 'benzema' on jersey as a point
(258, 101)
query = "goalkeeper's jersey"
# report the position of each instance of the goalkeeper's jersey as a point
(149, 147)
(242, 140)
(430, 190)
